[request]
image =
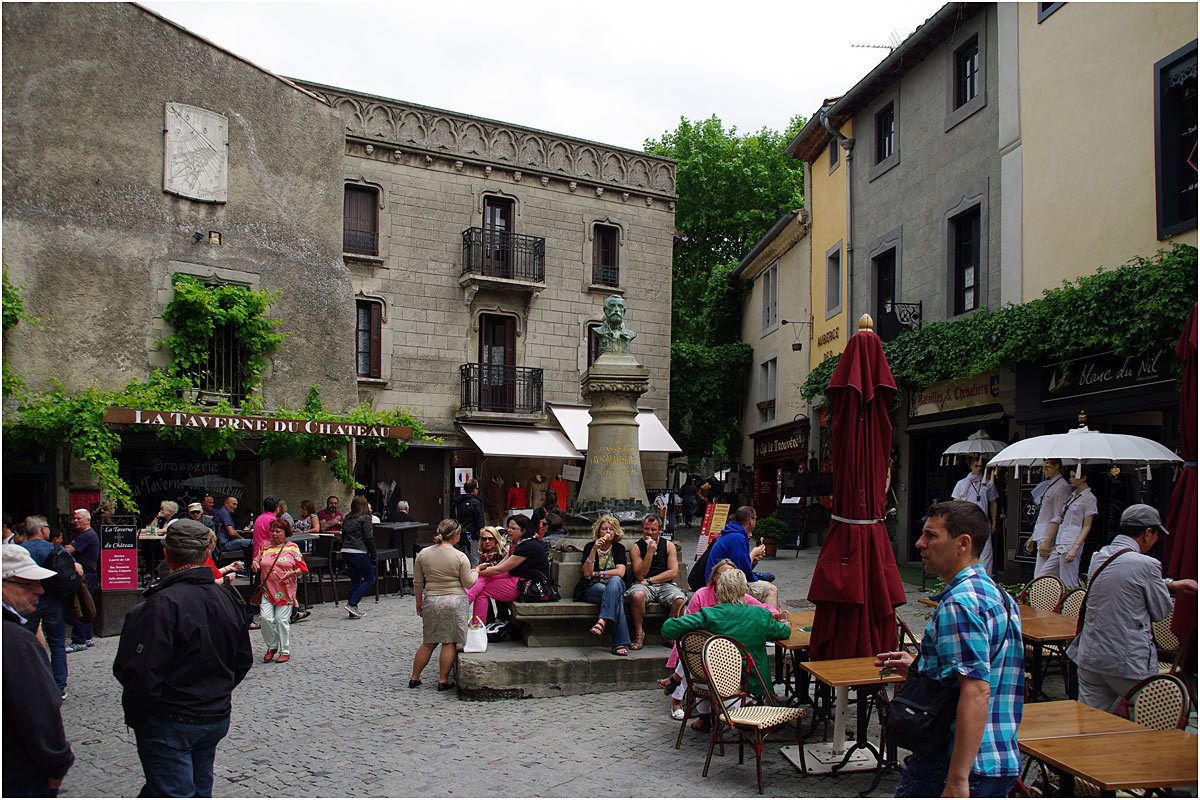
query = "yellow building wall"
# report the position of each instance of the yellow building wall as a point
(826, 201)
(1087, 135)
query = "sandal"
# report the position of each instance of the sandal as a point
(598, 628)
(639, 641)
(620, 650)
(669, 685)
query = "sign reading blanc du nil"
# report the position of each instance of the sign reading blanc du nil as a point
(249, 424)
(1103, 372)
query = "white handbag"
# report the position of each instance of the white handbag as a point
(477, 640)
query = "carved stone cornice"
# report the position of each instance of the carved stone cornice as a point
(454, 136)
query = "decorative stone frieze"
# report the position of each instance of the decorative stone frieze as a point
(471, 139)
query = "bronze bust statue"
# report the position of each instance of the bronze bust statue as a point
(614, 336)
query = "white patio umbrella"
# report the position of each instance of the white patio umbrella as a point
(1084, 446)
(977, 444)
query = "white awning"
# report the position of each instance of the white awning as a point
(652, 434)
(502, 440)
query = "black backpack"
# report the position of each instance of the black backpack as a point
(65, 582)
(696, 575)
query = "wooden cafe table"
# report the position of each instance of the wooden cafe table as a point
(790, 649)
(1059, 718)
(863, 676)
(1142, 759)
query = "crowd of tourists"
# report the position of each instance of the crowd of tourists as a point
(185, 647)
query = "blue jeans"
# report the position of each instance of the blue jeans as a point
(362, 576)
(177, 758)
(611, 597)
(50, 615)
(925, 776)
(81, 631)
(235, 545)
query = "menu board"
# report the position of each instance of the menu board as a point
(715, 517)
(1027, 516)
(118, 557)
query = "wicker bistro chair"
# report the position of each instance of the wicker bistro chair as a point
(724, 661)
(691, 644)
(1043, 593)
(1072, 602)
(1170, 649)
(1160, 702)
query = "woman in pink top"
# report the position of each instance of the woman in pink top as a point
(281, 564)
(705, 597)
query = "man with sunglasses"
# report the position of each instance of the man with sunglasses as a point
(36, 752)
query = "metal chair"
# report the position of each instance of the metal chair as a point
(1072, 602)
(1042, 593)
(726, 664)
(320, 563)
(690, 646)
(384, 553)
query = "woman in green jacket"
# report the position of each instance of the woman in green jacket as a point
(751, 626)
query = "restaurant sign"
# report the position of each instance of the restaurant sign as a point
(955, 395)
(118, 557)
(1103, 372)
(777, 445)
(251, 424)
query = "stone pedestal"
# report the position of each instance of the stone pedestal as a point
(614, 466)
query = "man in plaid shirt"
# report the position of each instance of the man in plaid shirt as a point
(974, 640)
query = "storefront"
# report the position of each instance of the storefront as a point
(1114, 394)
(933, 419)
(780, 462)
(515, 466)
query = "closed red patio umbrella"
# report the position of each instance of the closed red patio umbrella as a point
(856, 586)
(1180, 546)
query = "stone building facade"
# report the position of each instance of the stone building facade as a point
(480, 252)
(134, 150)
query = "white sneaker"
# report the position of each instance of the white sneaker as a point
(354, 612)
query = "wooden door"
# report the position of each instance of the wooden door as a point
(497, 237)
(497, 362)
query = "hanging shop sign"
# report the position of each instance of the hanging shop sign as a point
(251, 424)
(978, 390)
(1103, 372)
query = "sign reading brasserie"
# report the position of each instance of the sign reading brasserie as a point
(1103, 372)
(250, 424)
(977, 390)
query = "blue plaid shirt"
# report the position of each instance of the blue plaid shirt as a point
(967, 636)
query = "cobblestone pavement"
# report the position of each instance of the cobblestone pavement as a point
(342, 712)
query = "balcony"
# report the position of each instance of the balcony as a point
(364, 243)
(605, 275)
(499, 389)
(897, 318)
(503, 256)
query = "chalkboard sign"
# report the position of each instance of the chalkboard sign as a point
(118, 557)
(1028, 515)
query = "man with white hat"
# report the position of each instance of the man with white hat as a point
(1126, 593)
(36, 752)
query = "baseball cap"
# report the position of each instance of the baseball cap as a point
(195, 507)
(18, 563)
(1140, 515)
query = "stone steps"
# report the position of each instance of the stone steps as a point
(510, 670)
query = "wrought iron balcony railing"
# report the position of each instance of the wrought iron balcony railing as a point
(499, 254)
(897, 318)
(364, 243)
(499, 388)
(605, 275)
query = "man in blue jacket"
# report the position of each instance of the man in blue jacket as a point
(734, 544)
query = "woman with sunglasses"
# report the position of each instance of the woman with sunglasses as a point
(526, 559)
(493, 547)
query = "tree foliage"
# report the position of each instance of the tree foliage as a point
(1134, 309)
(732, 188)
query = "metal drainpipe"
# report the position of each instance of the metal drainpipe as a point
(846, 144)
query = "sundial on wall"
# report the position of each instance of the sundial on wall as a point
(196, 153)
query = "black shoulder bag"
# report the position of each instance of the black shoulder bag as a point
(922, 711)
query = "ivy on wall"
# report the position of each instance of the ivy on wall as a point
(57, 417)
(1134, 309)
(14, 312)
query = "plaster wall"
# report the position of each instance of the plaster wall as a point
(826, 202)
(1087, 136)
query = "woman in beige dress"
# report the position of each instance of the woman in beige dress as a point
(441, 576)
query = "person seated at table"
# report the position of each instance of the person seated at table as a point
(402, 512)
(442, 575)
(555, 529)
(734, 543)
(749, 625)
(526, 559)
(493, 547)
(167, 511)
(331, 518)
(281, 511)
(309, 522)
(605, 565)
(706, 597)
(280, 563)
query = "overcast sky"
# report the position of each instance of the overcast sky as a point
(616, 72)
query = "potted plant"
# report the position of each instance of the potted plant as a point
(772, 530)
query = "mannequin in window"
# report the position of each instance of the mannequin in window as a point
(516, 496)
(559, 486)
(537, 490)
(494, 497)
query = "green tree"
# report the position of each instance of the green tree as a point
(732, 188)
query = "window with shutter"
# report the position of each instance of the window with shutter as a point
(360, 221)
(605, 259)
(368, 338)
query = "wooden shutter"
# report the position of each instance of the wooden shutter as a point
(376, 339)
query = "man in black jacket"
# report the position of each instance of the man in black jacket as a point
(468, 512)
(36, 753)
(183, 649)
